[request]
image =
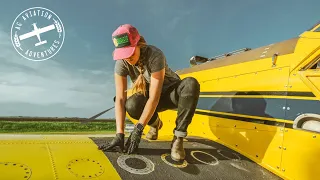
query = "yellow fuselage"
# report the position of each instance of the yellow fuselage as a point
(250, 101)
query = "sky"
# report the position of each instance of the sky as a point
(78, 81)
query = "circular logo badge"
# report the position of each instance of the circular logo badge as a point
(37, 34)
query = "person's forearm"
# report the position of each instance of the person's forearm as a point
(148, 111)
(120, 115)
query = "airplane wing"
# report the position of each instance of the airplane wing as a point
(75, 157)
(47, 28)
(27, 35)
(39, 31)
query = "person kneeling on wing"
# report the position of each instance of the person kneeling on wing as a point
(156, 88)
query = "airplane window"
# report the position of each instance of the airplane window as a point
(316, 65)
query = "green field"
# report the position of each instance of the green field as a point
(56, 127)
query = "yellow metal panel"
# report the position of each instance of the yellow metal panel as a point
(301, 155)
(262, 146)
(245, 139)
(72, 161)
(274, 79)
(208, 86)
(256, 143)
(315, 80)
(51, 157)
(64, 138)
(32, 156)
(296, 84)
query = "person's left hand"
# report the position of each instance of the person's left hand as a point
(133, 141)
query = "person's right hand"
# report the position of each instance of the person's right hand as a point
(118, 141)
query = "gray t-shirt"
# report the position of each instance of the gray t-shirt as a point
(153, 60)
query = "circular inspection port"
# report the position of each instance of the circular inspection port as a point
(168, 160)
(10, 170)
(227, 155)
(205, 158)
(135, 164)
(85, 168)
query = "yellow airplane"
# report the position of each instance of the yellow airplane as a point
(263, 103)
(258, 117)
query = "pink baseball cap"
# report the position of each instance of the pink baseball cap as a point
(125, 39)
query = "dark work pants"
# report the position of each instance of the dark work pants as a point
(182, 96)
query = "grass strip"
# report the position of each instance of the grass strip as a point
(43, 127)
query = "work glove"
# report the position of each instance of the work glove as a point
(117, 141)
(133, 141)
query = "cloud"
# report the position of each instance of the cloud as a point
(88, 46)
(170, 13)
(174, 22)
(170, 20)
(49, 84)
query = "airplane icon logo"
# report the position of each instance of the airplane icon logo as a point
(42, 21)
(36, 32)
